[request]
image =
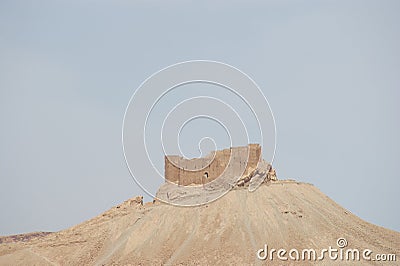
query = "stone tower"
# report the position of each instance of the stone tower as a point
(203, 170)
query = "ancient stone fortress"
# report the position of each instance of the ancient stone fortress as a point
(237, 161)
(191, 182)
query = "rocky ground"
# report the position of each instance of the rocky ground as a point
(228, 231)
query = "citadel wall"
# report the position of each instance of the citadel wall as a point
(229, 161)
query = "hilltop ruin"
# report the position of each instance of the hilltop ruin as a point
(199, 180)
(233, 161)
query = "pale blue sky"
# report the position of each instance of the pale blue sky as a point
(330, 70)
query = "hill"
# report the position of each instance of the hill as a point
(229, 231)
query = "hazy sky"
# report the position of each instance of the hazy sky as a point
(330, 71)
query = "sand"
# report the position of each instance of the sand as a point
(228, 231)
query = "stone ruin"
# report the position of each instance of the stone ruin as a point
(188, 180)
(238, 160)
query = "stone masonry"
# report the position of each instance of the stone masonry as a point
(237, 161)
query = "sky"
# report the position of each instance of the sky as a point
(329, 69)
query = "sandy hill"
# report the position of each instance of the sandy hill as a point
(229, 231)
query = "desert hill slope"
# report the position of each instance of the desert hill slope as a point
(229, 231)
